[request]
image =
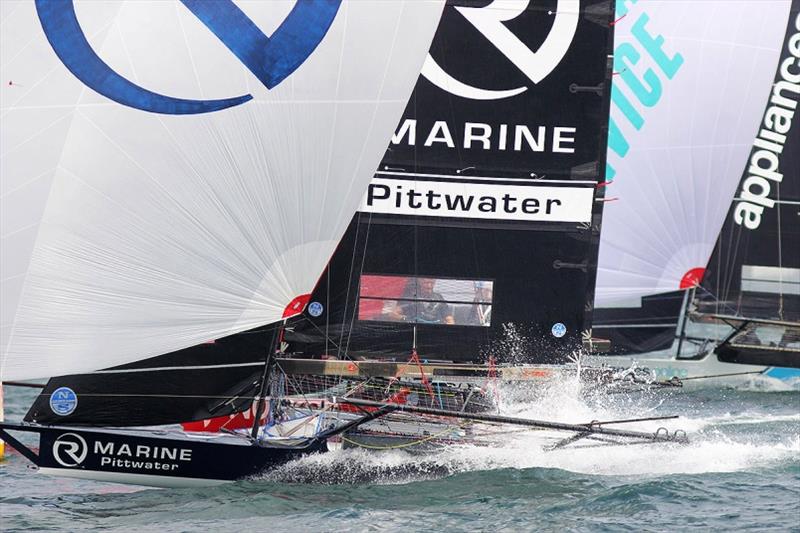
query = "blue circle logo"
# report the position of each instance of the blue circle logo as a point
(315, 309)
(558, 330)
(63, 401)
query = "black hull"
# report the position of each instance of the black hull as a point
(754, 355)
(650, 327)
(170, 459)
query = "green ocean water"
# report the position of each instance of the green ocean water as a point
(741, 471)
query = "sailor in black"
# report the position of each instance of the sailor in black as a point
(421, 304)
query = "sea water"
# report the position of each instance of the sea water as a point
(741, 470)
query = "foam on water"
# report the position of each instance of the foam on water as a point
(768, 384)
(718, 443)
(738, 419)
(740, 471)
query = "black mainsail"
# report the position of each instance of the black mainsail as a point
(212, 379)
(480, 229)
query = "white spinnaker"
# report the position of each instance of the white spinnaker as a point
(128, 234)
(676, 182)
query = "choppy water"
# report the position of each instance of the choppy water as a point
(740, 471)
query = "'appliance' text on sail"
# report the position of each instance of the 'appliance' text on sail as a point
(765, 156)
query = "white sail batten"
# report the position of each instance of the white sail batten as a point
(690, 83)
(128, 233)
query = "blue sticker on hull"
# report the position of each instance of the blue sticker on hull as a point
(63, 401)
(779, 372)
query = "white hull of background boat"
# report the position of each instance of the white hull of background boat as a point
(689, 371)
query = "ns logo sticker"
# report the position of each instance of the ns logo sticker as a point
(70, 450)
(489, 21)
(270, 59)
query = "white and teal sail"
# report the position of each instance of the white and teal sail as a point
(689, 90)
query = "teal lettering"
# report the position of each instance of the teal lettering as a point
(616, 140)
(648, 95)
(653, 45)
(622, 102)
(610, 172)
(622, 7)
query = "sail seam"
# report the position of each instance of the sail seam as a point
(159, 369)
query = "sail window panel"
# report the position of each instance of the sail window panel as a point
(425, 300)
(776, 280)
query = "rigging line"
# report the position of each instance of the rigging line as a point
(324, 333)
(164, 368)
(57, 65)
(132, 395)
(732, 254)
(360, 273)
(328, 304)
(725, 277)
(291, 380)
(349, 285)
(299, 387)
(780, 254)
(361, 385)
(395, 386)
(718, 300)
(723, 375)
(426, 300)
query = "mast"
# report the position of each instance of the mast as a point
(269, 363)
(684, 318)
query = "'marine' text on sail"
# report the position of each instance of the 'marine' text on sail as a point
(517, 137)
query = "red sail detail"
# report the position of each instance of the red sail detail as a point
(242, 420)
(692, 278)
(296, 306)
